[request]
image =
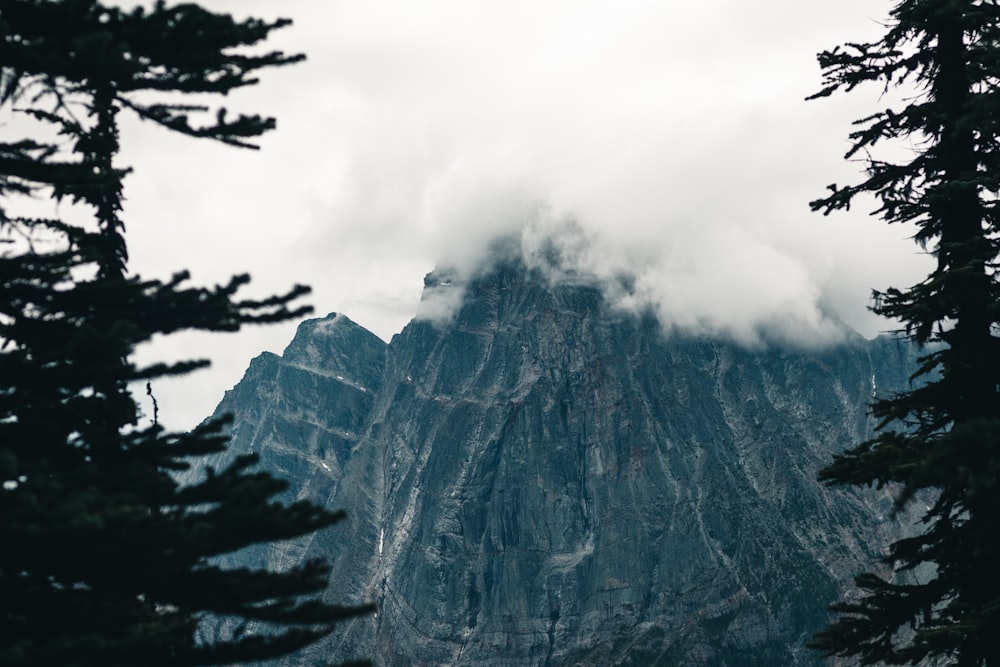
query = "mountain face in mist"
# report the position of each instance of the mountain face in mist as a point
(547, 481)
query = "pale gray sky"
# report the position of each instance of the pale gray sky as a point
(674, 134)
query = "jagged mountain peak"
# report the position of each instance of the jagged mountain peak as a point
(453, 295)
(334, 345)
(544, 479)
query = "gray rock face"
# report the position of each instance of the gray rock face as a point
(302, 413)
(546, 481)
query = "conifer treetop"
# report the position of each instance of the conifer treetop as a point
(940, 600)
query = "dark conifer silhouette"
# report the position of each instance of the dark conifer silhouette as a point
(941, 605)
(104, 559)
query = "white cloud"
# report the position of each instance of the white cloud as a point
(674, 135)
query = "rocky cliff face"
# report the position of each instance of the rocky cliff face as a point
(545, 481)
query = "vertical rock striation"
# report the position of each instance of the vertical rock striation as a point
(547, 481)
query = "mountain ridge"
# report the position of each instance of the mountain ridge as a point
(546, 480)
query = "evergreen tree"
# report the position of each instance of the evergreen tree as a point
(941, 603)
(105, 560)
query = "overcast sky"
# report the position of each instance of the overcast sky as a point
(674, 135)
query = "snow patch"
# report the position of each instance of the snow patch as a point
(569, 560)
(329, 324)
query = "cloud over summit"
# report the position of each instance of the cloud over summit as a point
(721, 281)
(676, 139)
(673, 135)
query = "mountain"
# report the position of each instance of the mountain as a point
(545, 480)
